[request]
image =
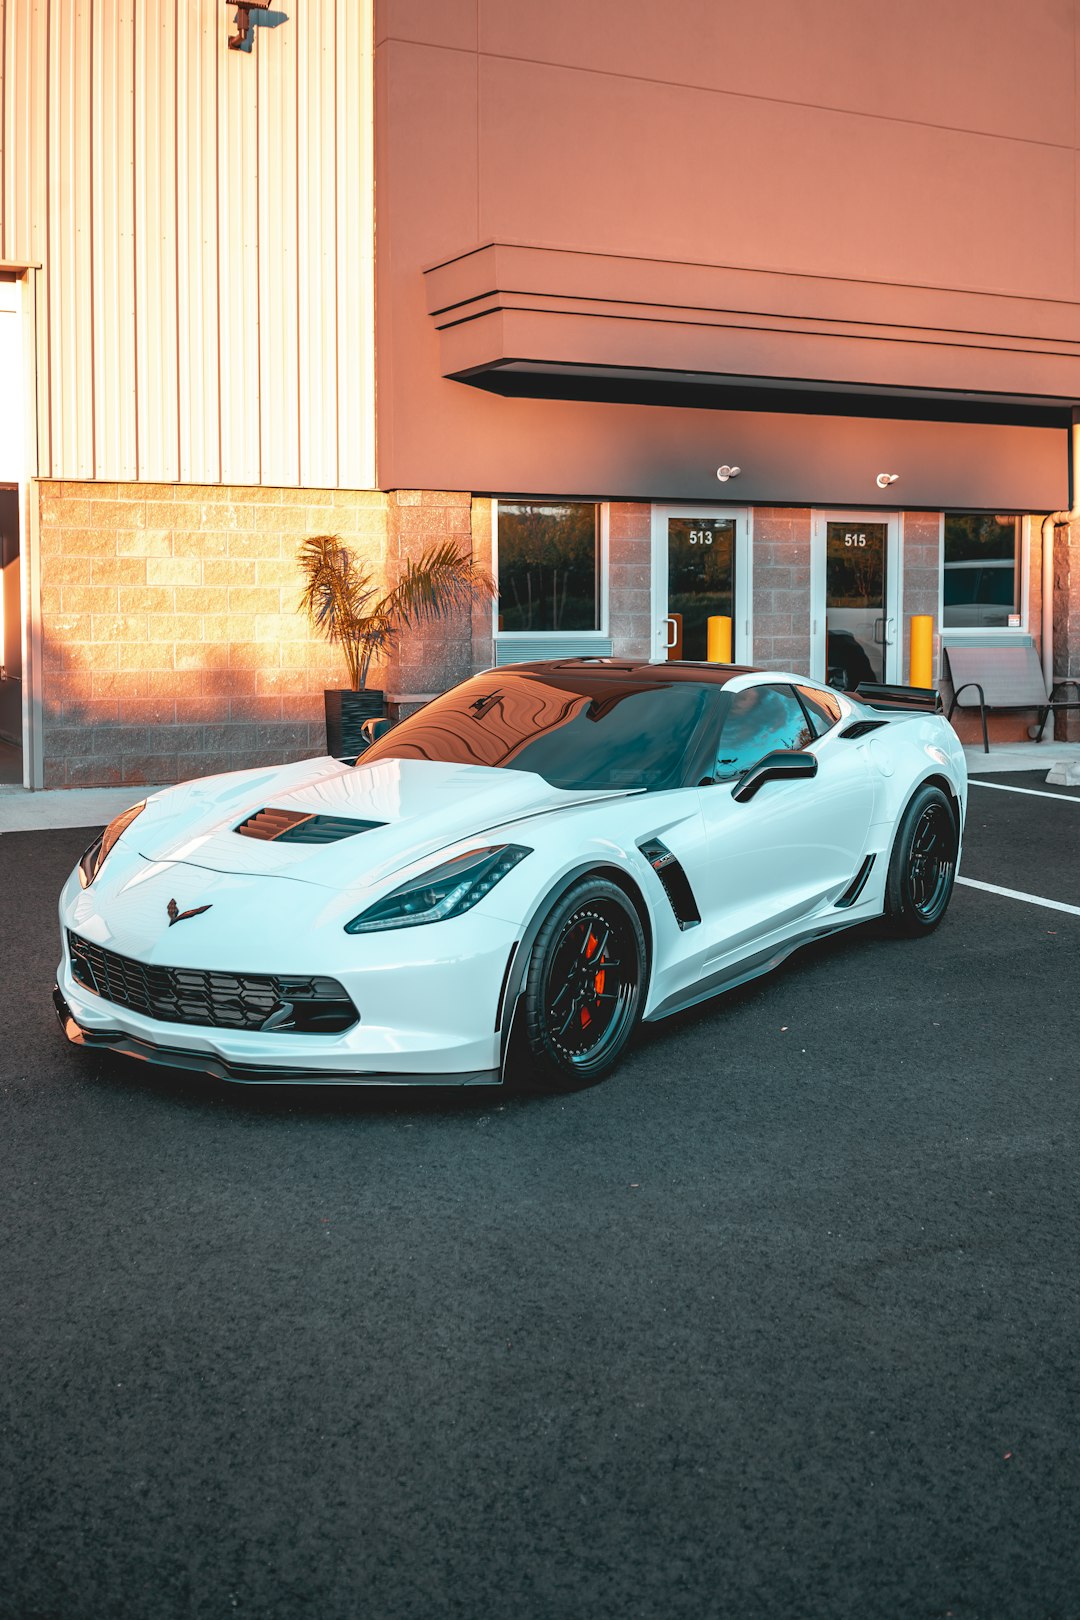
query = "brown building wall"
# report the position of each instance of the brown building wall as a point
(871, 149)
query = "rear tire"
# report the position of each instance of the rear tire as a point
(922, 867)
(584, 986)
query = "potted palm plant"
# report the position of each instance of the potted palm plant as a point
(345, 604)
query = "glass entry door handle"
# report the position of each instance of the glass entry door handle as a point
(671, 627)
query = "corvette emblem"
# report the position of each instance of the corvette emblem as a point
(176, 915)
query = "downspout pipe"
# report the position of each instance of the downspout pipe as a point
(1058, 520)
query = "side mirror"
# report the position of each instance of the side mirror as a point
(783, 765)
(372, 730)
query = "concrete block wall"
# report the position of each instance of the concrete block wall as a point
(781, 588)
(921, 593)
(1067, 623)
(171, 642)
(431, 657)
(629, 562)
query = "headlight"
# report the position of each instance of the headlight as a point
(96, 856)
(445, 891)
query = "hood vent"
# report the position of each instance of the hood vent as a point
(301, 827)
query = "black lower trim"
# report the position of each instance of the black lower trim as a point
(173, 1057)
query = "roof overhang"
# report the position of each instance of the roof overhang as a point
(544, 322)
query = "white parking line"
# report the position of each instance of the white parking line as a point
(1018, 894)
(1034, 793)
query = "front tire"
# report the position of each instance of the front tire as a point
(922, 868)
(585, 985)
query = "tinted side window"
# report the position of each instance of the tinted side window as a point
(759, 720)
(822, 707)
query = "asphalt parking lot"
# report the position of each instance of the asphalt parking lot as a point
(781, 1320)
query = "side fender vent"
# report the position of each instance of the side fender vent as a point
(861, 728)
(675, 882)
(857, 884)
(300, 827)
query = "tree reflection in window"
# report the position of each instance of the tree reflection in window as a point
(759, 720)
(548, 566)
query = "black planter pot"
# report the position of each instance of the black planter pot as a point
(345, 713)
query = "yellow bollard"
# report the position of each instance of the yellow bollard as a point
(921, 659)
(719, 639)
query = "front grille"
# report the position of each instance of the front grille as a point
(301, 827)
(313, 1006)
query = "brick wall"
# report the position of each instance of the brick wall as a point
(171, 644)
(781, 551)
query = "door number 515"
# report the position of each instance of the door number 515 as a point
(854, 539)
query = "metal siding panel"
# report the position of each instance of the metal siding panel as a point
(113, 233)
(156, 245)
(23, 235)
(7, 28)
(68, 258)
(201, 30)
(355, 247)
(204, 222)
(318, 256)
(238, 268)
(279, 406)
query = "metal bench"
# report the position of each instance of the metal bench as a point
(1004, 676)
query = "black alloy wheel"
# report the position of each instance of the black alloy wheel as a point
(922, 870)
(585, 985)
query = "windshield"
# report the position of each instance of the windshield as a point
(581, 730)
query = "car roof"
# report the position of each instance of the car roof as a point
(637, 671)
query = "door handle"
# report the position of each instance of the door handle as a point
(890, 631)
(673, 632)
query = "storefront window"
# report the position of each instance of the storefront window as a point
(548, 566)
(982, 572)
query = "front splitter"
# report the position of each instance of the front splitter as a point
(175, 1057)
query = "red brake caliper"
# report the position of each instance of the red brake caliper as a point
(598, 981)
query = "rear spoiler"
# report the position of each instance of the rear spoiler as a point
(899, 697)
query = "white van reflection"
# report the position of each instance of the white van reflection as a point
(979, 594)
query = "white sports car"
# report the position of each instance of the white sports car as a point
(511, 878)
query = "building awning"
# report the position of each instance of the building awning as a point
(811, 385)
(556, 323)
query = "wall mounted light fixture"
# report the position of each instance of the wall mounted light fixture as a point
(243, 20)
(725, 472)
(885, 479)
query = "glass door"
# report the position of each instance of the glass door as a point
(699, 569)
(855, 599)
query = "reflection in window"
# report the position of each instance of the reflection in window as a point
(578, 729)
(821, 707)
(548, 565)
(760, 719)
(982, 575)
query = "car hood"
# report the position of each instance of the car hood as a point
(418, 807)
